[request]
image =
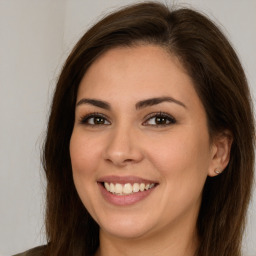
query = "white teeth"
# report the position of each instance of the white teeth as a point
(107, 186)
(112, 188)
(136, 187)
(127, 188)
(142, 187)
(118, 189)
(151, 185)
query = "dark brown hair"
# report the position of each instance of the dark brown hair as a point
(221, 85)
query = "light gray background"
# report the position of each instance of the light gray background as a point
(35, 38)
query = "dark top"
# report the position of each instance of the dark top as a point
(37, 251)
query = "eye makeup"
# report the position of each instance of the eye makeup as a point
(155, 119)
(159, 119)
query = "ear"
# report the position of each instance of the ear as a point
(221, 146)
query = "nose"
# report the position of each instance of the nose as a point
(122, 147)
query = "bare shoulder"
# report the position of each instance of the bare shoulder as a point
(37, 251)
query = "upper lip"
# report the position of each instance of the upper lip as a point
(125, 179)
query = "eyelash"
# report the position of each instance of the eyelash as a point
(163, 117)
(84, 120)
(168, 118)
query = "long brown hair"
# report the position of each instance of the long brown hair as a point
(222, 87)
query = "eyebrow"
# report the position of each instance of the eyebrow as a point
(97, 103)
(138, 105)
(155, 101)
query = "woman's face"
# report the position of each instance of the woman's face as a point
(140, 147)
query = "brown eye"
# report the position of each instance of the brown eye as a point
(160, 119)
(94, 120)
(97, 120)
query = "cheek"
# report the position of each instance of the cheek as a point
(84, 154)
(181, 150)
(183, 163)
(182, 159)
(84, 161)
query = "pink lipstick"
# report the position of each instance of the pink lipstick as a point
(127, 190)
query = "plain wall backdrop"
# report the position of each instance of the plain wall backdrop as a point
(35, 38)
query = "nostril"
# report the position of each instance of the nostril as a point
(128, 160)
(120, 163)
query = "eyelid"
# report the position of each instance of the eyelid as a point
(83, 119)
(159, 114)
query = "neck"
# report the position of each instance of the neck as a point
(175, 243)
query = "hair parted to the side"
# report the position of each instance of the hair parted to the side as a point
(221, 85)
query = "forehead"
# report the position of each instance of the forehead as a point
(143, 71)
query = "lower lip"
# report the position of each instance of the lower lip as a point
(124, 199)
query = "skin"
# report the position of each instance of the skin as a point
(178, 155)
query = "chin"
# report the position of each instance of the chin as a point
(127, 227)
(126, 232)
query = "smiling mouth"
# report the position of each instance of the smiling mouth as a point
(127, 188)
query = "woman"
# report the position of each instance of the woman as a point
(150, 142)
